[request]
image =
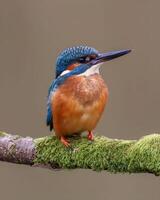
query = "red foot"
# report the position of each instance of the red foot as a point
(64, 141)
(90, 135)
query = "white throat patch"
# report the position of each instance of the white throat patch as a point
(92, 70)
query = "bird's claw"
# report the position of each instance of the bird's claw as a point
(90, 136)
(65, 142)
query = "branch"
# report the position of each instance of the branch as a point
(131, 156)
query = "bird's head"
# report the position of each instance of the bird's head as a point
(83, 58)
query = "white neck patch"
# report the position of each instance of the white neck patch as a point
(92, 70)
(64, 72)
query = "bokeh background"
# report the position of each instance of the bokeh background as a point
(32, 33)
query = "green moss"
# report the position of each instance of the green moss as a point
(145, 155)
(102, 154)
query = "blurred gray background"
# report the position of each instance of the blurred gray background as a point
(32, 34)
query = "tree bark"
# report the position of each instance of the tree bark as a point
(17, 149)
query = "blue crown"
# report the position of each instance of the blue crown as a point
(70, 55)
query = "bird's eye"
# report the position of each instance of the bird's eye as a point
(85, 59)
(82, 60)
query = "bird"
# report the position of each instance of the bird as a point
(78, 94)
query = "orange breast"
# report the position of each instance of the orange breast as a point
(78, 104)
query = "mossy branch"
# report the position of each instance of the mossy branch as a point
(131, 156)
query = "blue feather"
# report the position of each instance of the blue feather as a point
(49, 120)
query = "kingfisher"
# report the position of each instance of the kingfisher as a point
(78, 94)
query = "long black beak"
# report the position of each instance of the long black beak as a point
(109, 56)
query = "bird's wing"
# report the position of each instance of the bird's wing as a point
(49, 119)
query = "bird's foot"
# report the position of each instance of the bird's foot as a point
(90, 135)
(64, 141)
